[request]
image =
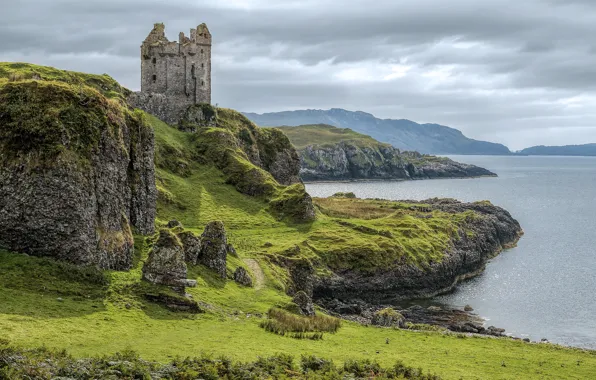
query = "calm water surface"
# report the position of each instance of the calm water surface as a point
(546, 287)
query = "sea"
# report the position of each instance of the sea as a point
(545, 288)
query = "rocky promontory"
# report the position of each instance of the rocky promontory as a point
(483, 231)
(330, 154)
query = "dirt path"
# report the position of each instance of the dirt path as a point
(256, 270)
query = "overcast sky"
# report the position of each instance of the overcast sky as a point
(517, 72)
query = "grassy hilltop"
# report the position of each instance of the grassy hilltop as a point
(205, 176)
(322, 134)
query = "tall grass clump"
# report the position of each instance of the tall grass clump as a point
(284, 323)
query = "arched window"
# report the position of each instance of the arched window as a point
(154, 78)
(202, 65)
(202, 83)
(154, 61)
(202, 51)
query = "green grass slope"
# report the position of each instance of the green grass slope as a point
(18, 71)
(91, 313)
(326, 135)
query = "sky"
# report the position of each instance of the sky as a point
(521, 73)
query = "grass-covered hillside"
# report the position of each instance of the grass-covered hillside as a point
(322, 134)
(223, 171)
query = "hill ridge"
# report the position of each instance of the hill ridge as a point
(428, 138)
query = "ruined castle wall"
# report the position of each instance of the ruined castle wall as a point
(179, 70)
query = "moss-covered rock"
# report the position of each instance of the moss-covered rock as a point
(84, 161)
(258, 162)
(191, 245)
(165, 264)
(242, 277)
(214, 248)
(304, 303)
(389, 317)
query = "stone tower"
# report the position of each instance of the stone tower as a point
(181, 70)
(174, 75)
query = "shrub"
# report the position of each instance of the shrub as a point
(44, 363)
(344, 195)
(311, 363)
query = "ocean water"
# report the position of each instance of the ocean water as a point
(546, 286)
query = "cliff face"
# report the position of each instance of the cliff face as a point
(76, 174)
(482, 235)
(348, 161)
(271, 150)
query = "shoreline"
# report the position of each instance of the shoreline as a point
(358, 180)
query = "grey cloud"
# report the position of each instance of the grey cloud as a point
(509, 67)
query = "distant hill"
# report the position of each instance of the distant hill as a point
(402, 134)
(326, 135)
(328, 153)
(566, 150)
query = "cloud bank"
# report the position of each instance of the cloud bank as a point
(519, 73)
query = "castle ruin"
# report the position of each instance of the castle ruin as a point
(174, 75)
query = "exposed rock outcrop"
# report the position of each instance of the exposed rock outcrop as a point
(76, 174)
(271, 150)
(304, 303)
(388, 317)
(414, 317)
(214, 248)
(242, 277)
(165, 264)
(348, 161)
(256, 162)
(489, 230)
(191, 245)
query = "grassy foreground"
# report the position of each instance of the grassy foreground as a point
(91, 313)
(46, 303)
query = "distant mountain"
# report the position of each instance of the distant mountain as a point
(566, 150)
(402, 134)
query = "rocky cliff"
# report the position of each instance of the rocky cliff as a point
(483, 231)
(329, 153)
(76, 171)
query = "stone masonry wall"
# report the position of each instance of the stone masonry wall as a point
(180, 71)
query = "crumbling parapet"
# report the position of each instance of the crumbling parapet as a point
(174, 74)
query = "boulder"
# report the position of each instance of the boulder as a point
(302, 275)
(214, 248)
(304, 302)
(165, 264)
(242, 277)
(173, 223)
(468, 308)
(191, 245)
(388, 317)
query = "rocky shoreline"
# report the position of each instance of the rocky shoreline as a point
(357, 180)
(493, 230)
(346, 161)
(415, 317)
